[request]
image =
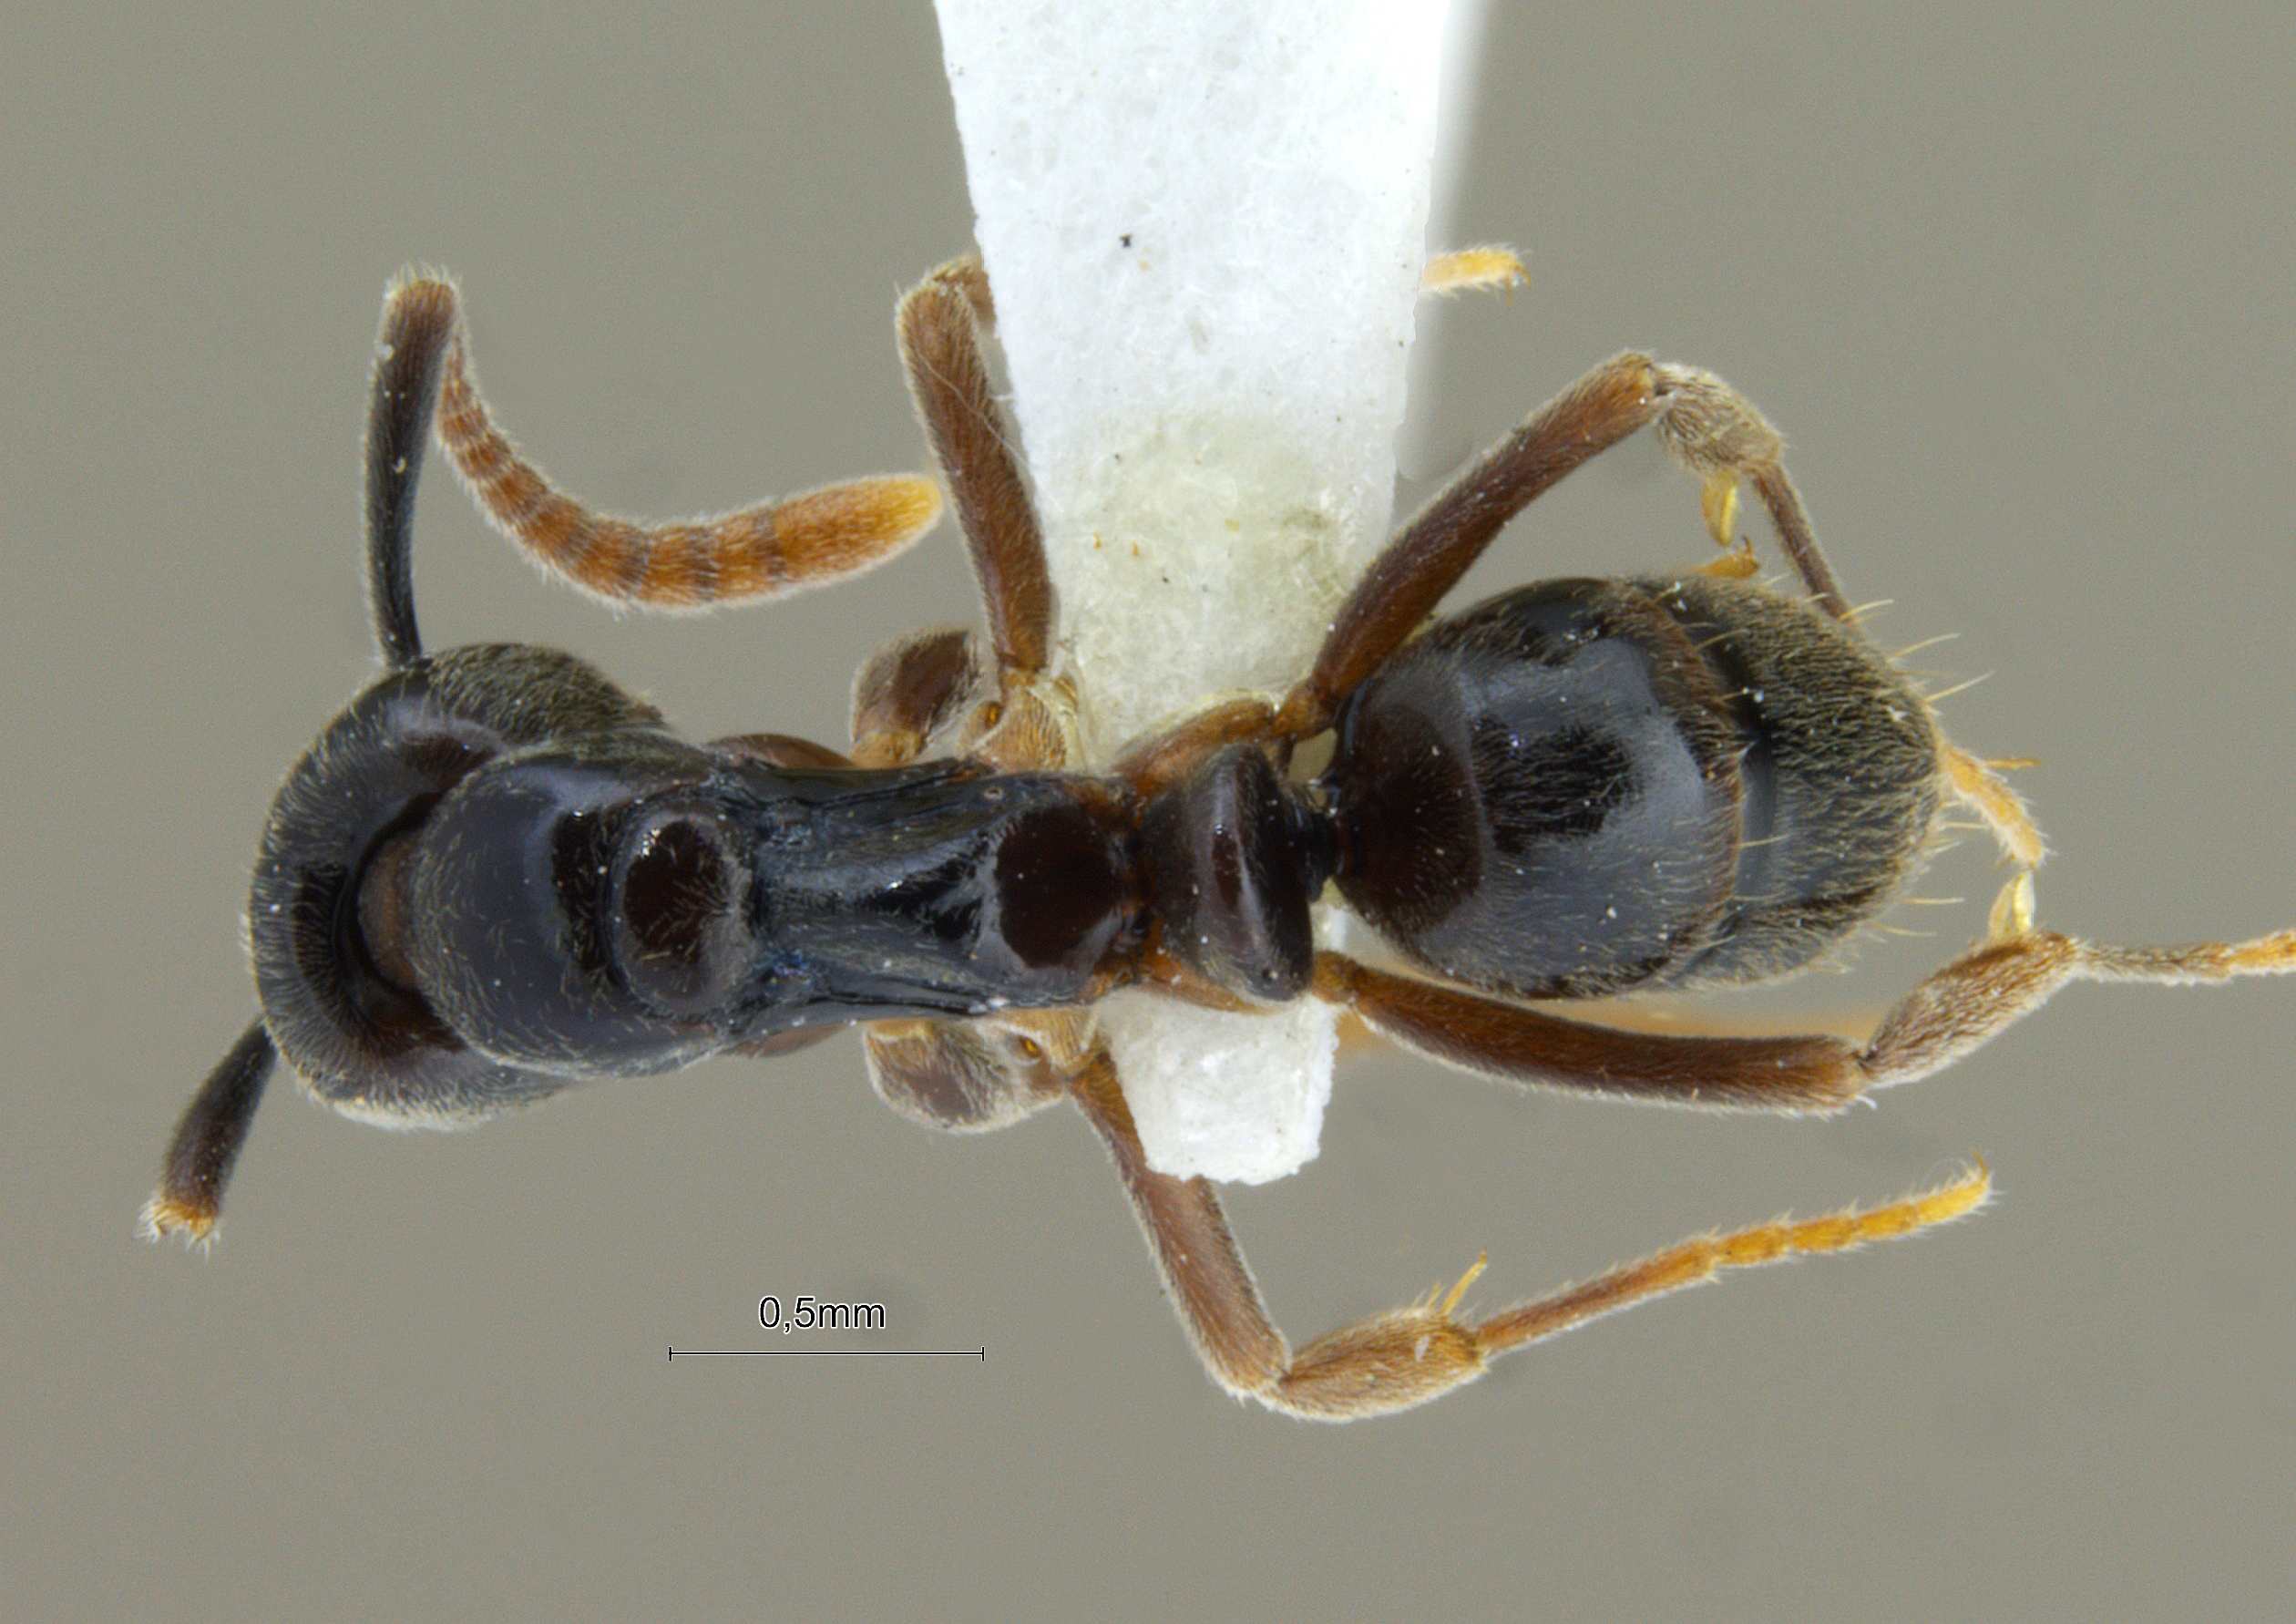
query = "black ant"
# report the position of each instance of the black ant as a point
(495, 873)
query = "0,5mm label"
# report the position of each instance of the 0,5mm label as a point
(808, 1312)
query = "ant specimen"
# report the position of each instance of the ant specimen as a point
(494, 874)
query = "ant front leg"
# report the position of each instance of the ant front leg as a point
(1029, 721)
(939, 324)
(940, 328)
(1473, 270)
(1413, 1355)
(757, 552)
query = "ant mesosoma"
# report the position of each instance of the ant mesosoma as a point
(495, 873)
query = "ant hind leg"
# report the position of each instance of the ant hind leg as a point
(1418, 1352)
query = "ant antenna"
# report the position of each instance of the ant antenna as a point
(418, 319)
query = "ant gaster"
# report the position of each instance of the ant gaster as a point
(495, 873)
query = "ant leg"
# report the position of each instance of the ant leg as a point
(1955, 1011)
(780, 750)
(1739, 563)
(1814, 1072)
(1162, 760)
(1720, 435)
(1692, 1262)
(907, 692)
(1979, 786)
(939, 324)
(1429, 555)
(1204, 1271)
(760, 551)
(940, 328)
(972, 1076)
(207, 1141)
(1471, 270)
(1410, 1355)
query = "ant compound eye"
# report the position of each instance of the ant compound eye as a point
(682, 937)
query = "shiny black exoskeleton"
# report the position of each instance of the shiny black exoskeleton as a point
(495, 875)
(1572, 789)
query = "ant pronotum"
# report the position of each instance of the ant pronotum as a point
(494, 874)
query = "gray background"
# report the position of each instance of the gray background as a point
(2017, 285)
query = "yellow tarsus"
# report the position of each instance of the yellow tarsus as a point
(165, 1215)
(1849, 1227)
(1471, 269)
(1979, 787)
(1693, 1261)
(2267, 955)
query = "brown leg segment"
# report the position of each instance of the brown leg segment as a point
(782, 750)
(1394, 1361)
(1203, 1269)
(1157, 763)
(1798, 1073)
(940, 344)
(190, 1199)
(1718, 434)
(1960, 1008)
(961, 1076)
(759, 552)
(907, 691)
(1429, 554)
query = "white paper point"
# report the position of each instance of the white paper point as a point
(1204, 224)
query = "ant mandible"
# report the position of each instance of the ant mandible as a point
(495, 873)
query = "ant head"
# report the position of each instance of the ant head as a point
(330, 926)
(330, 941)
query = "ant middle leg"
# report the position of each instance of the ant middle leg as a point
(1429, 555)
(1029, 720)
(1720, 435)
(1957, 1010)
(940, 322)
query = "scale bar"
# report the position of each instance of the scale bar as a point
(980, 1353)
